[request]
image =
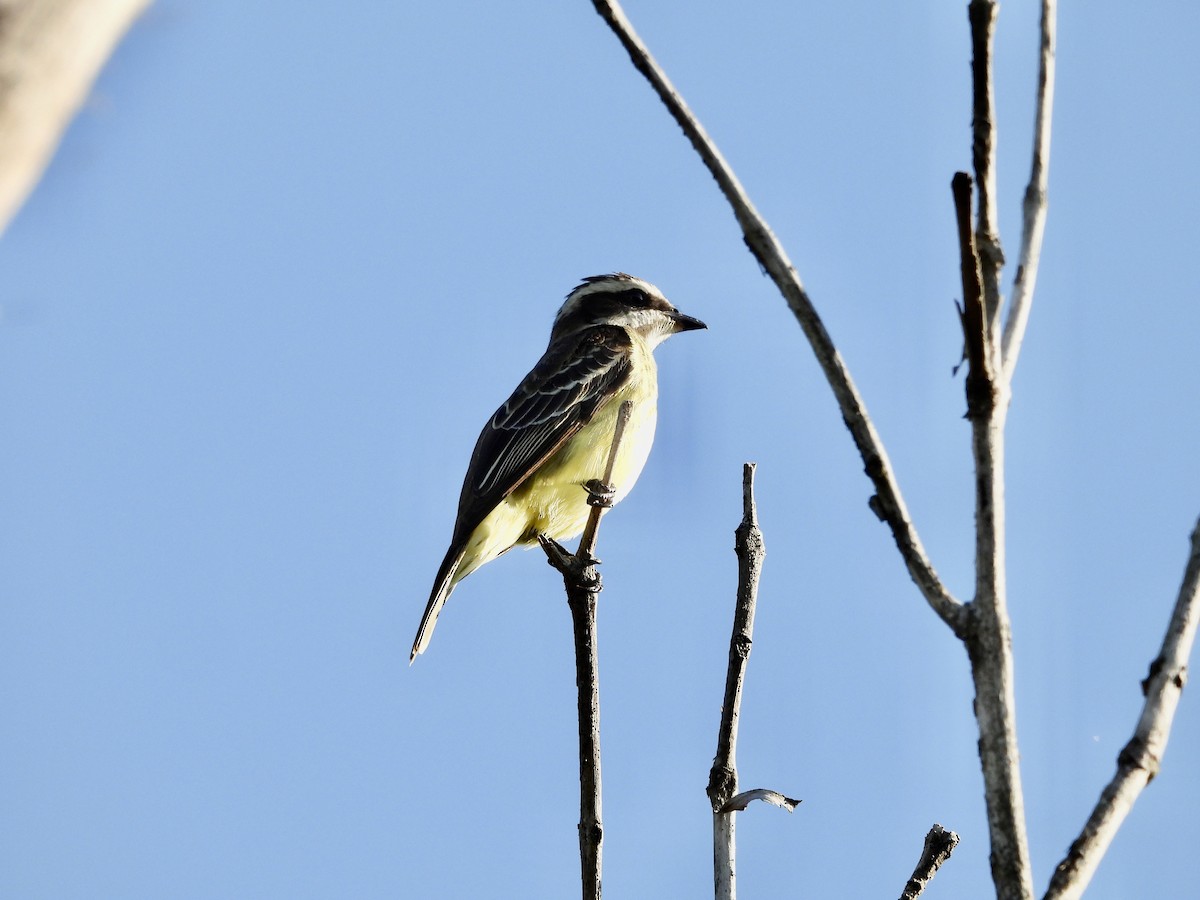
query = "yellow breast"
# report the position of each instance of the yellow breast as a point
(552, 501)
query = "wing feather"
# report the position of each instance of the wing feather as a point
(572, 380)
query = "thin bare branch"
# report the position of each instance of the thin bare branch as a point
(939, 844)
(1140, 759)
(583, 586)
(750, 549)
(722, 779)
(582, 603)
(887, 503)
(989, 648)
(724, 856)
(1033, 226)
(982, 14)
(587, 543)
(988, 636)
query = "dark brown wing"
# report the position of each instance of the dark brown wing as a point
(572, 380)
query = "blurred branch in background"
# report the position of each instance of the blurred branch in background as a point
(50, 54)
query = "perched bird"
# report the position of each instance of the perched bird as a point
(555, 432)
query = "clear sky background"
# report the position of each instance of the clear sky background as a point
(288, 260)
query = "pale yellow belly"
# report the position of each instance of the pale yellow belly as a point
(553, 501)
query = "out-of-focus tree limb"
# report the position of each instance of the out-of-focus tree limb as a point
(50, 53)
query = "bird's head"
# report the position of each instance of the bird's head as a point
(620, 299)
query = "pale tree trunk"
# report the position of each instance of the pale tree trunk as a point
(50, 54)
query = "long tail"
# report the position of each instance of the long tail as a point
(442, 587)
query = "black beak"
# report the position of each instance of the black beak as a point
(686, 323)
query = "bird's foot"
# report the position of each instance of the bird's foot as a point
(586, 559)
(556, 554)
(600, 494)
(589, 579)
(579, 568)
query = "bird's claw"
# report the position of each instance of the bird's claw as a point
(600, 494)
(556, 554)
(579, 567)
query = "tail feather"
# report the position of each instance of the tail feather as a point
(442, 587)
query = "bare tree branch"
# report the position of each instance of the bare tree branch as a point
(887, 503)
(587, 542)
(750, 549)
(583, 586)
(1140, 759)
(988, 638)
(50, 53)
(1034, 208)
(722, 779)
(939, 844)
(982, 14)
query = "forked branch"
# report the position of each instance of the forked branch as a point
(988, 638)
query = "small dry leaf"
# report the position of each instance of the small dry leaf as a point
(742, 800)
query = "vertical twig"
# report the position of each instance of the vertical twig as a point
(722, 779)
(1033, 209)
(982, 14)
(988, 637)
(587, 680)
(583, 586)
(939, 844)
(989, 648)
(1140, 759)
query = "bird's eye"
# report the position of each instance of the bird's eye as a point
(636, 297)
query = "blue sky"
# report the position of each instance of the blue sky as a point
(287, 261)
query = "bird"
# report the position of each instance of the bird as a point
(537, 452)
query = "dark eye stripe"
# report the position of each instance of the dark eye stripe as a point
(632, 297)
